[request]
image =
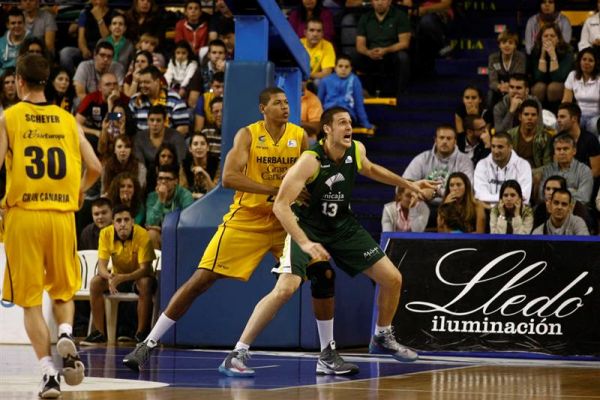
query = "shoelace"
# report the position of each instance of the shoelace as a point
(243, 355)
(390, 339)
(142, 351)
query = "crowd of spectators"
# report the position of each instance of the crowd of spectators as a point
(152, 107)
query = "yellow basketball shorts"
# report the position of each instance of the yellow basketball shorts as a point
(41, 254)
(240, 243)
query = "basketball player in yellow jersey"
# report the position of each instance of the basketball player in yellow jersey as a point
(44, 148)
(261, 154)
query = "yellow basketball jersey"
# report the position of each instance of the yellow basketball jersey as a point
(43, 162)
(268, 162)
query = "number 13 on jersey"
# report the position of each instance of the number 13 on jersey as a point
(329, 209)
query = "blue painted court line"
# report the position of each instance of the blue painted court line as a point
(189, 368)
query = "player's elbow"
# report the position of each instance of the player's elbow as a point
(278, 208)
(95, 167)
(228, 180)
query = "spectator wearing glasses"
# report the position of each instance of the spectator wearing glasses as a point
(88, 73)
(169, 196)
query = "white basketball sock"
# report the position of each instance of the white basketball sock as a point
(47, 365)
(163, 324)
(65, 328)
(325, 328)
(380, 330)
(242, 346)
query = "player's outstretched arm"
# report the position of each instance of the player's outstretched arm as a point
(93, 167)
(292, 185)
(235, 164)
(384, 175)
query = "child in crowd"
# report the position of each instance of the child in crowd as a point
(123, 47)
(182, 66)
(213, 62)
(502, 64)
(343, 89)
(203, 115)
(193, 28)
(149, 42)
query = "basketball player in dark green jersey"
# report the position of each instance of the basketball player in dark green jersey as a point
(326, 228)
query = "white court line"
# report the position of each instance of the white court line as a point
(430, 359)
(22, 383)
(400, 376)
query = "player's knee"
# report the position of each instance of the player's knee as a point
(322, 280)
(285, 288)
(395, 280)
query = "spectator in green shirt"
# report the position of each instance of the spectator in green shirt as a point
(382, 42)
(169, 196)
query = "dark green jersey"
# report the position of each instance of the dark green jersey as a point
(330, 189)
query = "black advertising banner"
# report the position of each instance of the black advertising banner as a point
(498, 293)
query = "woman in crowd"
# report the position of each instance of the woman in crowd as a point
(472, 104)
(8, 87)
(59, 89)
(312, 9)
(200, 169)
(125, 189)
(120, 160)
(144, 16)
(549, 14)
(583, 85)
(590, 33)
(405, 213)
(141, 60)
(165, 154)
(33, 44)
(511, 216)
(551, 61)
(460, 191)
(450, 219)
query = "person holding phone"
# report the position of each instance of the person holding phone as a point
(93, 108)
(113, 125)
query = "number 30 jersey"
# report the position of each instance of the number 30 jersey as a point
(43, 161)
(330, 191)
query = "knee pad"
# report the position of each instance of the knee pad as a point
(322, 280)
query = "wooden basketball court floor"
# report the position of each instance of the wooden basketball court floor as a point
(192, 374)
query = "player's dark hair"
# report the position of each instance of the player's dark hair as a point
(33, 69)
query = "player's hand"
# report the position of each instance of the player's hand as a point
(426, 189)
(81, 199)
(427, 184)
(315, 250)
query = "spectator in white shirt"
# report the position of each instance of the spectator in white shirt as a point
(501, 165)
